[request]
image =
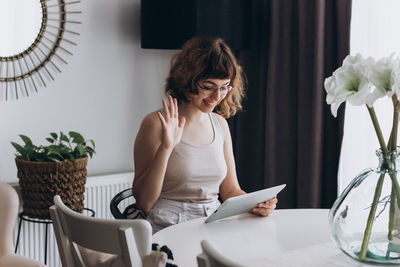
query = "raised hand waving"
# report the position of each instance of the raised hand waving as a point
(172, 126)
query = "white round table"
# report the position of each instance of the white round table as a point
(288, 237)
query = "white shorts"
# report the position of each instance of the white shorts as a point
(166, 212)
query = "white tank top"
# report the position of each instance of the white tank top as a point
(194, 173)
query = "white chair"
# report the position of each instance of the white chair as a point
(126, 240)
(211, 257)
(9, 205)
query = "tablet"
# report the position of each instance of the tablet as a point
(243, 203)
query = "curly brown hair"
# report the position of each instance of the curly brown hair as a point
(204, 58)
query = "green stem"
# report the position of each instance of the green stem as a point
(396, 186)
(371, 217)
(378, 131)
(393, 133)
(390, 143)
(395, 193)
(386, 167)
(392, 213)
(378, 188)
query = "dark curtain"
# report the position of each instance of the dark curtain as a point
(286, 133)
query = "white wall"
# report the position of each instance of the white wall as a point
(109, 84)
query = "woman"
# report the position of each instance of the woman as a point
(183, 153)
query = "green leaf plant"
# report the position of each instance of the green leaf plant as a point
(61, 147)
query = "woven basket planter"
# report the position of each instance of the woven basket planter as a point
(41, 181)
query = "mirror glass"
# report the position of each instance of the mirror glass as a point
(20, 22)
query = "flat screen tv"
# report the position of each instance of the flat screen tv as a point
(167, 24)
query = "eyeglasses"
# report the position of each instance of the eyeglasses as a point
(212, 90)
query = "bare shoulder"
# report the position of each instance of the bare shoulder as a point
(224, 124)
(146, 144)
(221, 120)
(151, 121)
(150, 129)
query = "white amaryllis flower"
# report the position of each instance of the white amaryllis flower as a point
(385, 76)
(349, 83)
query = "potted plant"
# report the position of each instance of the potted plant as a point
(58, 168)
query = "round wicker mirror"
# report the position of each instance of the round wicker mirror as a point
(35, 44)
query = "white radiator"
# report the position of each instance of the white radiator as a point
(99, 192)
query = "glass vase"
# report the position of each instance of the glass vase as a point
(365, 219)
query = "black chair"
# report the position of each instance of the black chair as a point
(131, 211)
(135, 213)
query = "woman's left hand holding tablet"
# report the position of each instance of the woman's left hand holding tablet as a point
(265, 208)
